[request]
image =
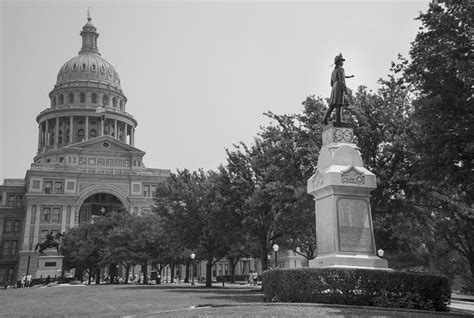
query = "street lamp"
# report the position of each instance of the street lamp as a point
(275, 249)
(380, 252)
(192, 268)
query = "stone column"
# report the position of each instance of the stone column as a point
(39, 135)
(71, 129)
(341, 188)
(125, 132)
(86, 135)
(115, 129)
(63, 218)
(26, 237)
(37, 225)
(132, 136)
(73, 216)
(46, 135)
(56, 133)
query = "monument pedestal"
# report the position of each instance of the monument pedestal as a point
(50, 265)
(341, 188)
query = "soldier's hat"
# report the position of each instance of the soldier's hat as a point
(338, 58)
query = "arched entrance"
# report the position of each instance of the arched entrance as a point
(99, 204)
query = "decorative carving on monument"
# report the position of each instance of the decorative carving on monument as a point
(353, 176)
(343, 135)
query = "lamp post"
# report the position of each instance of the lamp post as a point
(192, 268)
(275, 249)
(380, 252)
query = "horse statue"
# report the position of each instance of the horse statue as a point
(50, 242)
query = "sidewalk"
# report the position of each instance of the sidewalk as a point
(462, 303)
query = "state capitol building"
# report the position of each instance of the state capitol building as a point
(86, 163)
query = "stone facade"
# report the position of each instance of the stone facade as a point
(86, 164)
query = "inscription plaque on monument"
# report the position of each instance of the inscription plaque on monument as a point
(354, 225)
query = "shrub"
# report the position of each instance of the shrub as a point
(363, 287)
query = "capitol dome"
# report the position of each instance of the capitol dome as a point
(88, 66)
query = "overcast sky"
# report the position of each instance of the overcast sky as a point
(198, 75)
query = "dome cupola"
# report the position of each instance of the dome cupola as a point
(87, 102)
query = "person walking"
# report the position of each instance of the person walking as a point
(23, 280)
(28, 280)
(338, 89)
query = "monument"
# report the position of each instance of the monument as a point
(341, 187)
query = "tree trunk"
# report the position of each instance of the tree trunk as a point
(112, 272)
(145, 272)
(172, 273)
(97, 276)
(264, 259)
(186, 277)
(233, 262)
(127, 273)
(209, 270)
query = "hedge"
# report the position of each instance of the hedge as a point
(363, 287)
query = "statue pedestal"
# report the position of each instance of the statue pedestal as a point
(341, 187)
(49, 265)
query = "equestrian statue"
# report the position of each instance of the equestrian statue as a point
(52, 240)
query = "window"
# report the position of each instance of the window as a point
(54, 186)
(94, 98)
(92, 133)
(146, 190)
(61, 99)
(121, 105)
(15, 200)
(70, 98)
(6, 248)
(8, 226)
(58, 187)
(80, 135)
(48, 187)
(16, 226)
(46, 215)
(114, 102)
(13, 248)
(56, 215)
(105, 100)
(53, 101)
(82, 97)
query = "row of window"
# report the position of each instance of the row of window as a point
(9, 248)
(148, 190)
(53, 186)
(11, 226)
(15, 200)
(51, 215)
(93, 68)
(82, 99)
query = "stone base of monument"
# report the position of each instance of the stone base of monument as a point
(341, 188)
(349, 261)
(50, 265)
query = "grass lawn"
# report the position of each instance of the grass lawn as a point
(168, 300)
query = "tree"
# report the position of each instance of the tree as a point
(440, 71)
(84, 247)
(195, 204)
